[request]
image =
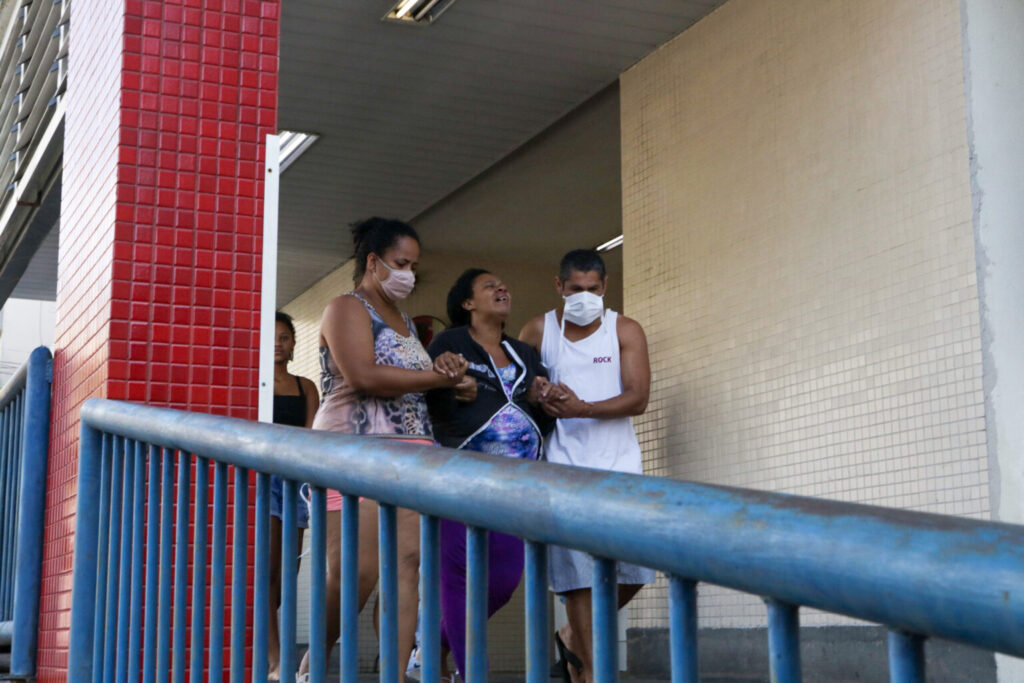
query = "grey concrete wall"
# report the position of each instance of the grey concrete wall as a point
(832, 654)
(994, 85)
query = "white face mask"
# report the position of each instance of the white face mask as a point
(583, 308)
(399, 284)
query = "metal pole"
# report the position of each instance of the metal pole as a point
(88, 518)
(218, 569)
(318, 586)
(538, 634)
(783, 641)
(32, 499)
(349, 589)
(605, 615)
(430, 598)
(683, 629)
(289, 573)
(906, 657)
(261, 594)
(387, 538)
(152, 567)
(476, 604)
(239, 573)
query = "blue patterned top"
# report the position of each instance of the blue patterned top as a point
(509, 432)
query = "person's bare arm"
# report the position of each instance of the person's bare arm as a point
(636, 381)
(346, 328)
(533, 332)
(312, 400)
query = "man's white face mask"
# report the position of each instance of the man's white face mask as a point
(583, 308)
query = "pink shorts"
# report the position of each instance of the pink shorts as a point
(334, 498)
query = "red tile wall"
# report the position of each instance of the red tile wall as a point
(168, 102)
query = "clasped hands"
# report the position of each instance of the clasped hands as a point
(454, 366)
(557, 399)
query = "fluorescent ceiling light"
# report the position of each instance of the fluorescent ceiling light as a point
(422, 12)
(292, 145)
(610, 244)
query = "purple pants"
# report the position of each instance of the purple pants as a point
(505, 568)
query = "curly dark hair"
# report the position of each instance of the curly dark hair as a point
(460, 291)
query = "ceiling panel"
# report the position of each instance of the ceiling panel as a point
(409, 114)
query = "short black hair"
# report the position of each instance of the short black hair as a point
(582, 260)
(283, 317)
(375, 236)
(460, 291)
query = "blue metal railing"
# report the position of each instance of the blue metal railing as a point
(919, 574)
(24, 440)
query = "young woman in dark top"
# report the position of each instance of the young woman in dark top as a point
(503, 417)
(295, 403)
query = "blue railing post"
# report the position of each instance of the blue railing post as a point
(605, 611)
(87, 548)
(476, 604)
(261, 590)
(180, 570)
(99, 611)
(784, 641)
(888, 566)
(239, 567)
(538, 634)
(163, 620)
(7, 507)
(35, 438)
(215, 666)
(430, 597)
(289, 574)
(124, 571)
(682, 610)
(391, 670)
(318, 586)
(152, 567)
(138, 538)
(349, 589)
(113, 559)
(199, 566)
(906, 657)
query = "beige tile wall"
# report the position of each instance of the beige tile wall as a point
(798, 246)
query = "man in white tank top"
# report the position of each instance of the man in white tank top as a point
(601, 377)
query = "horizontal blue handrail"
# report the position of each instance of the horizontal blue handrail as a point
(917, 573)
(24, 442)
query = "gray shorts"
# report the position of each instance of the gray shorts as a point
(570, 570)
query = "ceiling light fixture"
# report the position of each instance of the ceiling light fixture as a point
(610, 244)
(422, 12)
(292, 145)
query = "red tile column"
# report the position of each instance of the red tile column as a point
(158, 295)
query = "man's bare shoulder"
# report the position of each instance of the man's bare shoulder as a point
(628, 326)
(533, 331)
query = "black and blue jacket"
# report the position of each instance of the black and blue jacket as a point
(455, 422)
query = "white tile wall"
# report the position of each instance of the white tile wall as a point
(798, 246)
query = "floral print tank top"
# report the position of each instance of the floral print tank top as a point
(345, 410)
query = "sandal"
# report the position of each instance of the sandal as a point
(566, 657)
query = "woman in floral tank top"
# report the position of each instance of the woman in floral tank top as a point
(374, 373)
